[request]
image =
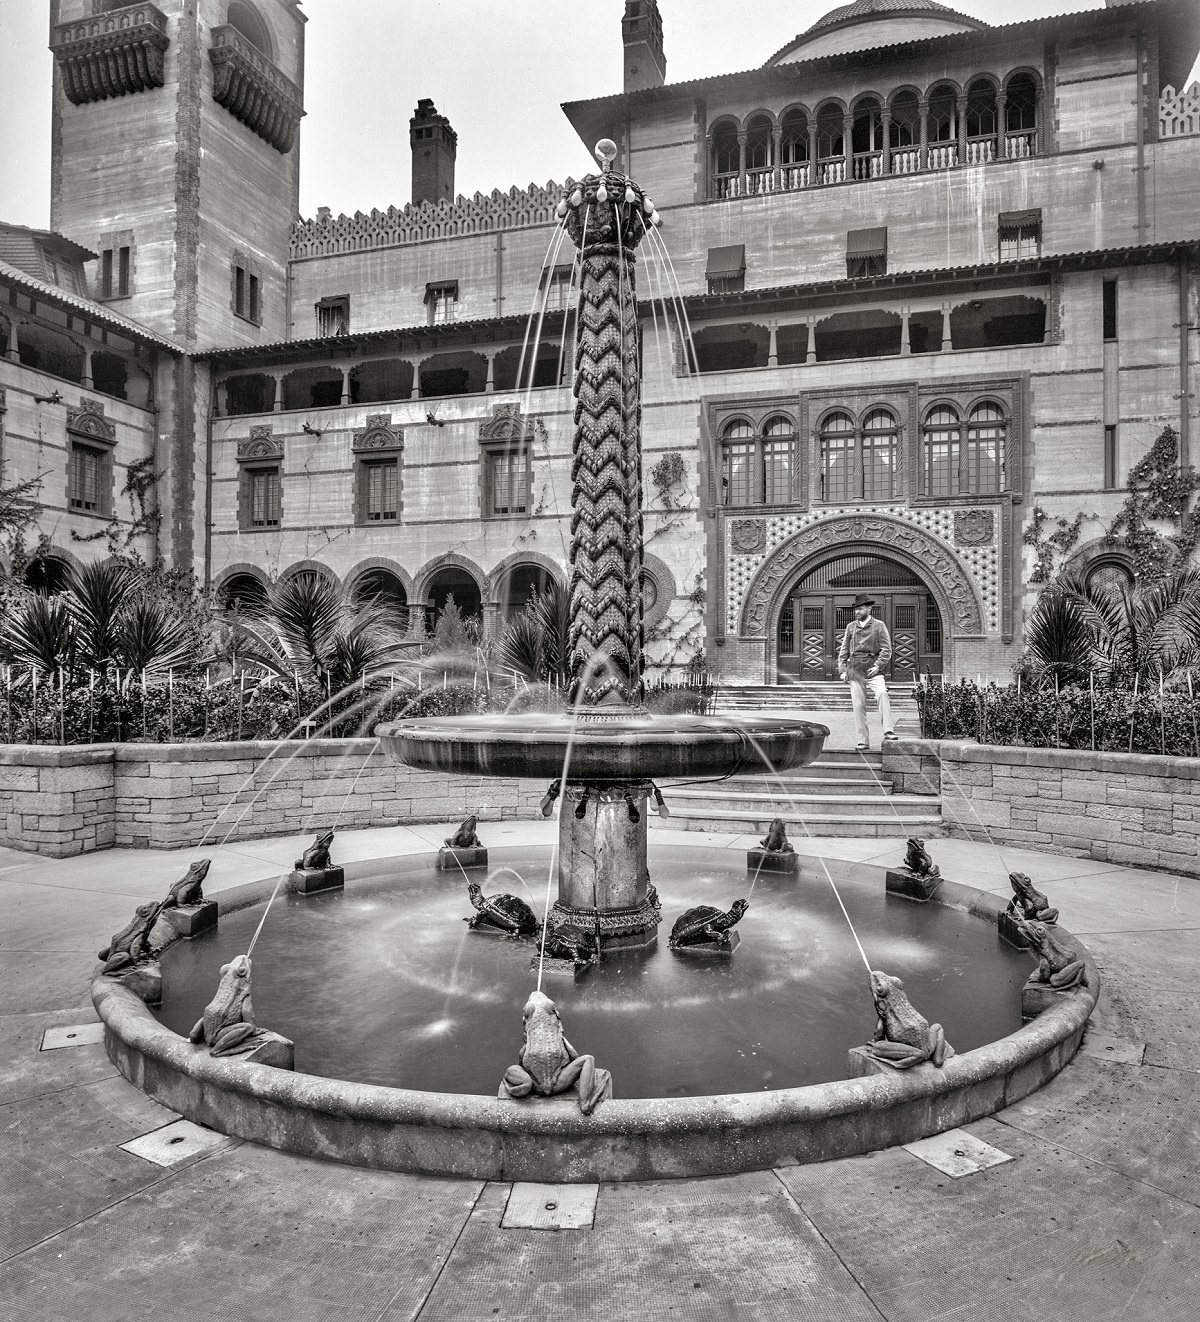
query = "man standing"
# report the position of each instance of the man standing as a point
(863, 656)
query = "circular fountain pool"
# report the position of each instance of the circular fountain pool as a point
(384, 983)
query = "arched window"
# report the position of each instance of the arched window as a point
(760, 155)
(247, 20)
(831, 145)
(738, 464)
(726, 158)
(793, 149)
(986, 432)
(983, 122)
(943, 128)
(940, 451)
(905, 133)
(1020, 116)
(867, 138)
(1110, 572)
(837, 458)
(779, 462)
(880, 455)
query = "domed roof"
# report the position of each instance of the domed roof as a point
(866, 23)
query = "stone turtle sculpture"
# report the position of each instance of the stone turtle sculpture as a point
(1058, 967)
(316, 857)
(705, 925)
(578, 950)
(507, 912)
(903, 1037)
(227, 1026)
(776, 841)
(1028, 901)
(465, 837)
(917, 860)
(189, 889)
(131, 945)
(548, 1064)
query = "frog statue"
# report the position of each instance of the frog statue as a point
(465, 837)
(917, 860)
(1029, 902)
(189, 889)
(227, 1026)
(131, 945)
(316, 857)
(776, 841)
(903, 1037)
(549, 1064)
(1058, 967)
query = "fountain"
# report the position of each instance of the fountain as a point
(403, 1018)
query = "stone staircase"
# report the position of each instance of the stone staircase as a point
(790, 699)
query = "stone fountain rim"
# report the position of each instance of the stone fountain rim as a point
(645, 1138)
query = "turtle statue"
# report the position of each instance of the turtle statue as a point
(776, 841)
(706, 926)
(1028, 901)
(548, 1064)
(316, 857)
(189, 889)
(509, 913)
(465, 837)
(227, 1026)
(903, 1036)
(576, 950)
(131, 945)
(917, 860)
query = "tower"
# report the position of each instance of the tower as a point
(641, 30)
(434, 151)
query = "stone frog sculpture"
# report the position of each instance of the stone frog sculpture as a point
(1029, 902)
(705, 925)
(507, 912)
(549, 1064)
(1057, 966)
(131, 945)
(227, 1026)
(917, 860)
(465, 837)
(776, 841)
(316, 857)
(189, 889)
(903, 1037)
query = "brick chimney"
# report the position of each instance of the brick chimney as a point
(434, 150)
(641, 30)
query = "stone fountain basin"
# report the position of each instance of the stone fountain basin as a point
(483, 1137)
(619, 747)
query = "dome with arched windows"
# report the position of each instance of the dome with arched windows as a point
(868, 23)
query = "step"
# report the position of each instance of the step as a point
(797, 786)
(845, 827)
(817, 807)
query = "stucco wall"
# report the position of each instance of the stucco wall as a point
(59, 802)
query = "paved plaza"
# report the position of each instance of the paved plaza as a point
(1096, 1213)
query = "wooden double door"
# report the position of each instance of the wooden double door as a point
(812, 624)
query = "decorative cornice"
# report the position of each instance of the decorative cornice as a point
(378, 435)
(260, 444)
(111, 54)
(253, 90)
(506, 426)
(89, 423)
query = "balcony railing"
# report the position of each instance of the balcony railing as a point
(906, 160)
(1020, 144)
(832, 171)
(253, 90)
(795, 176)
(727, 185)
(981, 151)
(942, 155)
(760, 181)
(111, 54)
(868, 164)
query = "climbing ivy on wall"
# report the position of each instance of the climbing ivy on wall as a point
(1050, 548)
(144, 519)
(1160, 492)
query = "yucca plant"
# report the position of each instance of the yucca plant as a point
(150, 637)
(96, 596)
(39, 633)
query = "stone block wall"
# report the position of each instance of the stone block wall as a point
(59, 802)
(1116, 807)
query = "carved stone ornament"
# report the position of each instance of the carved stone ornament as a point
(973, 527)
(88, 421)
(507, 425)
(915, 545)
(260, 444)
(748, 536)
(253, 90)
(379, 434)
(111, 54)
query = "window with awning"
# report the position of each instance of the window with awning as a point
(1019, 234)
(866, 252)
(726, 269)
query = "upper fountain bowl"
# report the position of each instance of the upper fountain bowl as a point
(606, 744)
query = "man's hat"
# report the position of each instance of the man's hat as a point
(863, 600)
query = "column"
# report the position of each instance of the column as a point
(848, 144)
(777, 157)
(923, 155)
(1001, 125)
(885, 121)
(710, 168)
(416, 386)
(493, 621)
(87, 380)
(490, 384)
(14, 349)
(278, 404)
(961, 105)
(345, 386)
(221, 400)
(812, 151)
(811, 355)
(905, 346)
(947, 338)
(773, 344)
(1039, 120)
(741, 164)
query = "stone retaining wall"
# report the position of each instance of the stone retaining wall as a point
(64, 801)
(1116, 807)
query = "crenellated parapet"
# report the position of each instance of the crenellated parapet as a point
(253, 90)
(519, 208)
(1179, 112)
(111, 54)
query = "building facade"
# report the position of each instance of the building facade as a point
(922, 283)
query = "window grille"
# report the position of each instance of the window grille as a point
(382, 491)
(509, 482)
(86, 470)
(264, 497)
(837, 458)
(940, 452)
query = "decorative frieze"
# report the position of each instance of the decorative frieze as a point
(253, 90)
(379, 435)
(111, 54)
(506, 426)
(88, 423)
(260, 444)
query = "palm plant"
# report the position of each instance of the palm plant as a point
(537, 643)
(97, 596)
(39, 633)
(1060, 644)
(150, 637)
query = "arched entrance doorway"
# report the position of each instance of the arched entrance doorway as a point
(456, 583)
(820, 604)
